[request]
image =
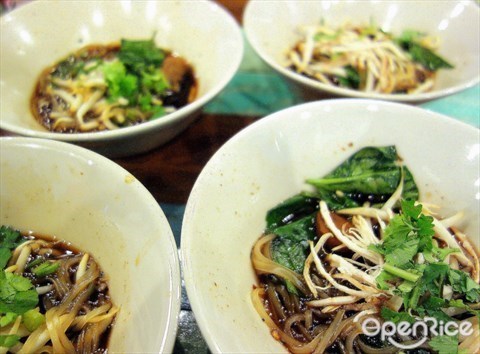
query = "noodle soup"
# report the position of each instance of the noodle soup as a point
(54, 297)
(106, 87)
(361, 248)
(367, 58)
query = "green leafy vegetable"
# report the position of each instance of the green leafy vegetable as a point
(69, 68)
(407, 234)
(120, 83)
(138, 56)
(9, 340)
(421, 286)
(35, 262)
(9, 240)
(8, 318)
(290, 246)
(372, 171)
(137, 76)
(445, 344)
(427, 58)
(46, 268)
(293, 208)
(351, 79)
(17, 294)
(409, 41)
(155, 81)
(396, 317)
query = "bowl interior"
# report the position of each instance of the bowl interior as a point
(271, 28)
(57, 189)
(226, 210)
(182, 26)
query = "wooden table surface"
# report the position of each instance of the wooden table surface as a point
(170, 171)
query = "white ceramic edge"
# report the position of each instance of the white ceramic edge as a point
(140, 128)
(188, 275)
(316, 85)
(171, 327)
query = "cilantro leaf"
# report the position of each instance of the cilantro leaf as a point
(396, 317)
(17, 294)
(5, 255)
(407, 234)
(403, 255)
(462, 283)
(139, 55)
(9, 240)
(445, 344)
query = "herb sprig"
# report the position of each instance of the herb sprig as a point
(18, 296)
(421, 285)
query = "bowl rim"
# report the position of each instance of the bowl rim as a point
(192, 290)
(174, 300)
(165, 121)
(346, 92)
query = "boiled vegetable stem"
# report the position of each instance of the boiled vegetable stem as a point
(401, 273)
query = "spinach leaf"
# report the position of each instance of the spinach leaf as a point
(408, 40)
(352, 78)
(410, 189)
(290, 247)
(69, 68)
(372, 171)
(291, 209)
(427, 58)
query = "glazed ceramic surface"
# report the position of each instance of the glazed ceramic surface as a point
(40, 33)
(76, 195)
(269, 161)
(271, 28)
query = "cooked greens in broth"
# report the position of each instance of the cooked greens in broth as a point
(53, 298)
(360, 247)
(367, 58)
(106, 87)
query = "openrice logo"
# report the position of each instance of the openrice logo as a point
(388, 330)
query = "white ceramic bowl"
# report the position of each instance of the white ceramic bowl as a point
(269, 161)
(271, 28)
(60, 189)
(38, 34)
